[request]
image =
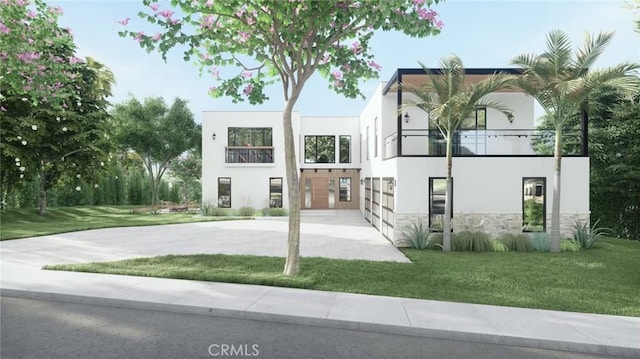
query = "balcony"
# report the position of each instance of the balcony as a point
(491, 142)
(249, 154)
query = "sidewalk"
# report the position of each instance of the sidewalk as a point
(588, 333)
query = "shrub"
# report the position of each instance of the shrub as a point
(567, 245)
(275, 212)
(467, 241)
(418, 236)
(516, 242)
(498, 247)
(541, 241)
(246, 212)
(209, 209)
(587, 236)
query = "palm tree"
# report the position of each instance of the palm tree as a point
(561, 83)
(104, 76)
(448, 100)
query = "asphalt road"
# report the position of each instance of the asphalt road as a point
(43, 329)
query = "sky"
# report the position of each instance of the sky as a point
(486, 34)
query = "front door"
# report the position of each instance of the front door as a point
(319, 193)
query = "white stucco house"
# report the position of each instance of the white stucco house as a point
(391, 166)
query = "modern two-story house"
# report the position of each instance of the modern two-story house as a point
(390, 164)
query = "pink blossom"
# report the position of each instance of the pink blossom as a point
(244, 36)
(26, 88)
(174, 21)
(215, 72)
(29, 57)
(212, 89)
(336, 74)
(207, 22)
(75, 60)
(138, 36)
(439, 24)
(241, 12)
(155, 7)
(209, 3)
(247, 74)
(124, 21)
(31, 14)
(2, 109)
(424, 14)
(248, 89)
(338, 83)
(325, 59)
(166, 13)
(375, 65)
(355, 47)
(205, 57)
(417, 3)
(157, 36)
(64, 104)
(4, 28)
(345, 67)
(250, 21)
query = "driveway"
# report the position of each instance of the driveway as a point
(342, 234)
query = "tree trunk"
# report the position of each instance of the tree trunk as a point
(292, 264)
(446, 230)
(42, 191)
(555, 206)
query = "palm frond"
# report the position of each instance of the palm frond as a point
(558, 49)
(592, 49)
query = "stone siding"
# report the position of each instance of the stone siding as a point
(493, 224)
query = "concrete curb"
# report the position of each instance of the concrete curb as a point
(331, 323)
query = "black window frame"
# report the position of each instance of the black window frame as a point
(431, 194)
(534, 194)
(233, 133)
(348, 191)
(315, 154)
(348, 138)
(221, 204)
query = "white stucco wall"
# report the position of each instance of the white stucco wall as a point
(249, 181)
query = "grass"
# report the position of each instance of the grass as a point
(601, 280)
(21, 223)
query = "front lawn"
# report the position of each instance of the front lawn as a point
(20, 223)
(601, 280)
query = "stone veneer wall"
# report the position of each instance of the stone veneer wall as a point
(493, 224)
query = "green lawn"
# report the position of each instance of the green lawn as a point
(601, 280)
(20, 223)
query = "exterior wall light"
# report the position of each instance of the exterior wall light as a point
(213, 137)
(406, 117)
(510, 118)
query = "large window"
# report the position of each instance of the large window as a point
(437, 196)
(534, 204)
(249, 145)
(345, 149)
(224, 192)
(345, 189)
(275, 192)
(320, 149)
(250, 136)
(477, 120)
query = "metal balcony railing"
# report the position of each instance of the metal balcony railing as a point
(249, 154)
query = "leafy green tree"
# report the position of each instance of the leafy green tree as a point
(448, 100)
(188, 170)
(561, 83)
(157, 133)
(286, 41)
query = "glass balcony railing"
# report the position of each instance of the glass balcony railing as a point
(248, 154)
(502, 142)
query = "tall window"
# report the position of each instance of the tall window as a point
(345, 189)
(534, 204)
(437, 196)
(224, 192)
(320, 149)
(345, 149)
(250, 136)
(477, 120)
(375, 137)
(275, 192)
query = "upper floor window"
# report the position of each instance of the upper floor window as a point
(249, 145)
(250, 136)
(320, 149)
(345, 149)
(477, 120)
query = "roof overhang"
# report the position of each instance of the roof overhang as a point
(417, 77)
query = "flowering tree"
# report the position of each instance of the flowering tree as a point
(287, 41)
(31, 65)
(52, 110)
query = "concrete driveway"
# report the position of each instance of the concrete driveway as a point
(342, 234)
